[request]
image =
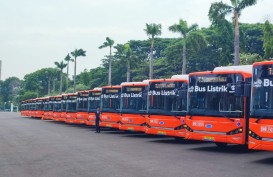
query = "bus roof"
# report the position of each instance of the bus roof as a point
(111, 86)
(244, 68)
(263, 63)
(134, 84)
(183, 76)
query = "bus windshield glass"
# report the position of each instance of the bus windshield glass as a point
(71, 103)
(82, 102)
(133, 99)
(93, 101)
(57, 105)
(167, 98)
(262, 92)
(40, 105)
(214, 95)
(110, 99)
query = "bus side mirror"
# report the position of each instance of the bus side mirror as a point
(144, 95)
(239, 89)
(247, 90)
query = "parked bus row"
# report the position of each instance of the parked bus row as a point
(229, 105)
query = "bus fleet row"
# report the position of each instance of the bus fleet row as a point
(229, 105)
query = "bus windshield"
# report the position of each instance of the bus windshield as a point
(71, 104)
(132, 99)
(214, 95)
(110, 100)
(40, 105)
(82, 104)
(262, 92)
(57, 106)
(93, 101)
(166, 98)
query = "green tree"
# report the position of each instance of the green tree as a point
(268, 40)
(189, 36)
(76, 53)
(61, 65)
(109, 43)
(152, 30)
(67, 59)
(219, 10)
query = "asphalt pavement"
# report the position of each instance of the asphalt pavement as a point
(34, 148)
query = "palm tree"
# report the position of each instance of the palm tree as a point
(76, 53)
(152, 30)
(219, 10)
(67, 59)
(109, 43)
(188, 35)
(61, 65)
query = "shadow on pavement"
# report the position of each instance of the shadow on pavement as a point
(171, 140)
(143, 135)
(230, 149)
(266, 161)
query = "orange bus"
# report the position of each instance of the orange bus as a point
(167, 105)
(48, 108)
(261, 115)
(93, 103)
(133, 106)
(110, 106)
(57, 107)
(219, 106)
(39, 108)
(24, 108)
(62, 114)
(71, 107)
(82, 105)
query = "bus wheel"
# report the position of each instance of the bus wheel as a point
(221, 145)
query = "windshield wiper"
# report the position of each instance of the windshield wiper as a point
(227, 118)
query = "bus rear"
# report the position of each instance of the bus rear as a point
(167, 105)
(82, 105)
(133, 106)
(218, 110)
(261, 116)
(94, 98)
(110, 106)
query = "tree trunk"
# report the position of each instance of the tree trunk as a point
(48, 87)
(184, 59)
(67, 75)
(54, 83)
(151, 59)
(236, 40)
(128, 71)
(110, 68)
(75, 66)
(61, 82)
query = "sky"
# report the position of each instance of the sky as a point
(36, 33)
